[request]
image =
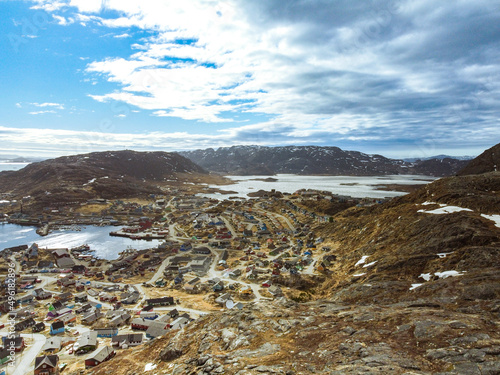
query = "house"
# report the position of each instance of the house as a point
(130, 298)
(57, 305)
(106, 297)
(78, 268)
(17, 343)
(59, 312)
(65, 263)
(57, 328)
(148, 315)
(222, 299)
(39, 327)
(81, 298)
(202, 250)
(106, 332)
(266, 284)
(45, 264)
(87, 342)
(47, 365)
(156, 329)
(42, 294)
(65, 282)
(61, 253)
(98, 356)
(179, 323)
(275, 290)
(66, 296)
(25, 299)
(141, 324)
(52, 345)
(67, 318)
(83, 309)
(21, 326)
(200, 264)
(173, 313)
(91, 316)
(119, 320)
(5, 356)
(163, 301)
(127, 340)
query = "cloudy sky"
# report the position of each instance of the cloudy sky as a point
(400, 78)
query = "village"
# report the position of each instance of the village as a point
(74, 310)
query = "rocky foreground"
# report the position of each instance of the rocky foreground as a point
(283, 337)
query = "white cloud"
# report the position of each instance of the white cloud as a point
(49, 5)
(88, 6)
(41, 112)
(48, 104)
(121, 36)
(63, 21)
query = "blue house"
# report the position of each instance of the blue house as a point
(57, 328)
(106, 332)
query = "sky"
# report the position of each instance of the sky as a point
(399, 78)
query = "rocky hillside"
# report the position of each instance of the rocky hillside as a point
(283, 337)
(414, 290)
(111, 174)
(488, 161)
(313, 160)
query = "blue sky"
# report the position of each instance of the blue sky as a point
(400, 78)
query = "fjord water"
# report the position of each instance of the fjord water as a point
(354, 186)
(98, 238)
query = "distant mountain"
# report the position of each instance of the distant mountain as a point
(18, 159)
(313, 160)
(488, 161)
(111, 174)
(439, 157)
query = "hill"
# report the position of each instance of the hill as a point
(313, 160)
(488, 161)
(111, 174)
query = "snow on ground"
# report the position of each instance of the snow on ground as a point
(414, 286)
(90, 182)
(445, 274)
(362, 260)
(494, 218)
(149, 367)
(428, 203)
(359, 274)
(370, 264)
(445, 210)
(443, 255)
(425, 276)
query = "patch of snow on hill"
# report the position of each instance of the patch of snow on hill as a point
(362, 260)
(445, 274)
(445, 210)
(494, 218)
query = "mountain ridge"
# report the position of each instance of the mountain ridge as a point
(314, 160)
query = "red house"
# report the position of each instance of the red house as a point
(47, 365)
(98, 356)
(16, 342)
